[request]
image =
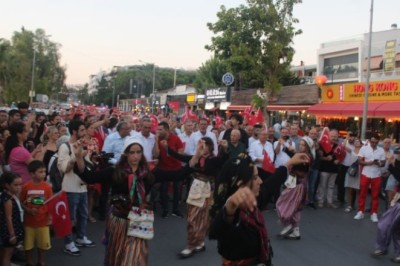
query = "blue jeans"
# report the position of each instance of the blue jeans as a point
(312, 181)
(78, 207)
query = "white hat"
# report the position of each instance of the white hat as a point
(310, 144)
(131, 140)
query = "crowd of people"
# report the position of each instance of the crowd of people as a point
(227, 174)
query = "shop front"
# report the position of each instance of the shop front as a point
(342, 106)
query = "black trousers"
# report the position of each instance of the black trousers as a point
(341, 191)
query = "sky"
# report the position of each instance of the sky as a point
(96, 35)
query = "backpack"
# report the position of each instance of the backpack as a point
(55, 175)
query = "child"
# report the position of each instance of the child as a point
(11, 229)
(36, 216)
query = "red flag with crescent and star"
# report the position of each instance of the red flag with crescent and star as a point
(59, 211)
(340, 152)
(267, 163)
(325, 140)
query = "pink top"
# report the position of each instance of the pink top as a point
(17, 160)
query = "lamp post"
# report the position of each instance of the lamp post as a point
(32, 91)
(365, 109)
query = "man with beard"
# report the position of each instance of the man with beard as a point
(76, 189)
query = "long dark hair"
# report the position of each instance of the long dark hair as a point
(121, 172)
(12, 141)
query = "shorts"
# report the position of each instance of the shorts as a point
(391, 183)
(37, 237)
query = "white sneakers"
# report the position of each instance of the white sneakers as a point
(295, 234)
(85, 242)
(374, 218)
(286, 230)
(71, 249)
(359, 215)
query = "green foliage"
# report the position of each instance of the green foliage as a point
(254, 41)
(16, 65)
(142, 82)
(210, 75)
(257, 101)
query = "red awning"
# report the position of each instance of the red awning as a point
(375, 62)
(234, 107)
(376, 109)
(287, 107)
(388, 109)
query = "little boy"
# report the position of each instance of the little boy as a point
(36, 217)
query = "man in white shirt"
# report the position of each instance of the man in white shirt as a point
(372, 158)
(115, 141)
(256, 152)
(283, 148)
(196, 136)
(256, 132)
(75, 188)
(185, 136)
(150, 150)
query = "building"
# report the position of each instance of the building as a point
(344, 63)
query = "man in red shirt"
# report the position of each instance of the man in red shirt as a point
(169, 168)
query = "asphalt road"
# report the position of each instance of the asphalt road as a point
(328, 237)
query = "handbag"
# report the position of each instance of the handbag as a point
(353, 169)
(140, 220)
(141, 223)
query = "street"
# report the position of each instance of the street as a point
(328, 237)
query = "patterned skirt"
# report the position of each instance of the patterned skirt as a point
(121, 249)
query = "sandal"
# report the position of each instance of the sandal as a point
(348, 209)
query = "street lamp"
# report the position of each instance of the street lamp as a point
(32, 91)
(109, 79)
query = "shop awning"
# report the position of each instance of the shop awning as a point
(376, 109)
(281, 107)
(234, 107)
(388, 109)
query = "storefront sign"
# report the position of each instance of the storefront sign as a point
(387, 90)
(191, 98)
(389, 56)
(216, 94)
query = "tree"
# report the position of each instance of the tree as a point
(210, 74)
(254, 41)
(16, 65)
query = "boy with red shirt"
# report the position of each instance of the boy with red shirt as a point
(36, 217)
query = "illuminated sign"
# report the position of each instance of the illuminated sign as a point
(216, 94)
(387, 90)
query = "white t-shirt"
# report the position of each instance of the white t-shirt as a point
(282, 157)
(369, 155)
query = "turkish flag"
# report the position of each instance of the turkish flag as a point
(59, 211)
(259, 116)
(185, 115)
(218, 120)
(193, 116)
(268, 164)
(154, 123)
(325, 140)
(340, 152)
(247, 111)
